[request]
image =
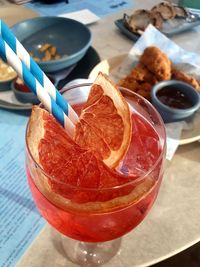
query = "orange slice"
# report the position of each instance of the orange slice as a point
(105, 123)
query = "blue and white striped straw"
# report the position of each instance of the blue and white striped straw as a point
(9, 56)
(21, 52)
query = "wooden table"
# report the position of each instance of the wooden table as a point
(173, 224)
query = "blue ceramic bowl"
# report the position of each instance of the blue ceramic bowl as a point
(170, 114)
(71, 38)
(24, 97)
(6, 85)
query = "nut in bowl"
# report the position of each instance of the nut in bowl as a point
(175, 100)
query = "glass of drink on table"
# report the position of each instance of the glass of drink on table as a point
(99, 185)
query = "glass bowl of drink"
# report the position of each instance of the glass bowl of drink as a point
(91, 221)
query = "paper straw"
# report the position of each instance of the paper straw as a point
(21, 52)
(9, 56)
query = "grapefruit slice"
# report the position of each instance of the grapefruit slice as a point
(75, 178)
(62, 159)
(105, 123)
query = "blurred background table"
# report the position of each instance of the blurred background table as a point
(173, 223)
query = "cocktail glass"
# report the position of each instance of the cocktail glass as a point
(91, 231)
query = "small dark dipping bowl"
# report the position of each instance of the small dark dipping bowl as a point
(24, 96)
(175, 100)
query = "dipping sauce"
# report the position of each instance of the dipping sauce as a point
(174, 98)
(6, 72)
(20, 86)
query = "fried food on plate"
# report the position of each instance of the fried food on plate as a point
(143, 77)
(154, 66)
(144, 89)
(142, 74)
(181, 76)
(157, 62)
(139, 81)
(129, 82)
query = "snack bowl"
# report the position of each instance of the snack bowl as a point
(6, 84)
(175, 100)
(68, 41)
(7, 76)
(23, 93)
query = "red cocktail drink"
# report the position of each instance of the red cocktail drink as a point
(103, 214)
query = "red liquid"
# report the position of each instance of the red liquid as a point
(110, 223)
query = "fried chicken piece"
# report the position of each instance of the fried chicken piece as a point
(154, 66)
(145, 94)
(145, 87)
(140, 80)
(181, 76)
(142, 88)
(129, 82)
(157, 62)
(141, 74)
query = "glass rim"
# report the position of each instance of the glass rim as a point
(135, 181)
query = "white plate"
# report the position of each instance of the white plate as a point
(106, 66)
(14, 107)
(9, 101)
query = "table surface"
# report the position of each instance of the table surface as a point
(173, 223)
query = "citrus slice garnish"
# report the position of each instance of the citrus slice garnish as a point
(77, 177)
(105, 123)
(72, 177)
